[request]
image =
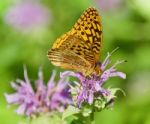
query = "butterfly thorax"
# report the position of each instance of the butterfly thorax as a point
(95, 71)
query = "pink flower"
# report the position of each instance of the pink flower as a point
(109, 5)
(90, 89)
(45, 98)
(27, 15)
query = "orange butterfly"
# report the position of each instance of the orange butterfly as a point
(79, 49)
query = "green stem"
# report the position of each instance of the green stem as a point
(92, 114)
(88, 121)
(92, 118)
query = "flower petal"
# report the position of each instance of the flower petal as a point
(90, 98)
(12, 98)
(21, 109)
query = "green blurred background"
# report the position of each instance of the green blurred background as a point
(28, 28)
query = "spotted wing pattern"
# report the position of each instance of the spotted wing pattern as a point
(89, 27)
(79, 48)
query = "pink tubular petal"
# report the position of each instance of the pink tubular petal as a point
(21, 109)
(120, 74)
(62, 83)
(12, 98)
(97, 86)
(106, 62)
(40, 74)
(14, 85)
(26, 76)
(67, 73)
(90, 98)
(51, 82)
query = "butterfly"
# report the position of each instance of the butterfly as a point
(79, 49)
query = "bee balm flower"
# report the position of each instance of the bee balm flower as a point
(43, 98)
(90, 89)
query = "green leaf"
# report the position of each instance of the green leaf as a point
(87, 110)
(114, 90)
(100, 104)
(71, 119)
(71, 110)
(44, 119)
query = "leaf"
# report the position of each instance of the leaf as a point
(100, 104)
(71, 110)
(44, 119)
(114, 90)
(87, 110)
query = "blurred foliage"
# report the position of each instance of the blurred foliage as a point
(126, 25)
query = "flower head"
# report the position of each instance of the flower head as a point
(45, 98)
(109, 5)
(27, 15)
(90, 90)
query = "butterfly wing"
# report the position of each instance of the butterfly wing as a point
(79, 48)
(89, 27)
(61, 40)
(73, 54)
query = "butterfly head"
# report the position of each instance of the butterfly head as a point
(97, 69)
(92, 72)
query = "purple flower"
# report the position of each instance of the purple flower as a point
(45, 98)
(108, 5)
(90, 89)
(27, 15)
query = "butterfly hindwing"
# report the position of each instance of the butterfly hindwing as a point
(76, 56)
(66, 59)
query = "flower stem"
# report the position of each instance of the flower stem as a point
(92, 118)
(92, 114)
(88, 121)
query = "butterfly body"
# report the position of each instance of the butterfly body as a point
(79, 49)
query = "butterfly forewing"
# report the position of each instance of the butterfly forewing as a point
(89, 27)
(79, 48)
(60, 40)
